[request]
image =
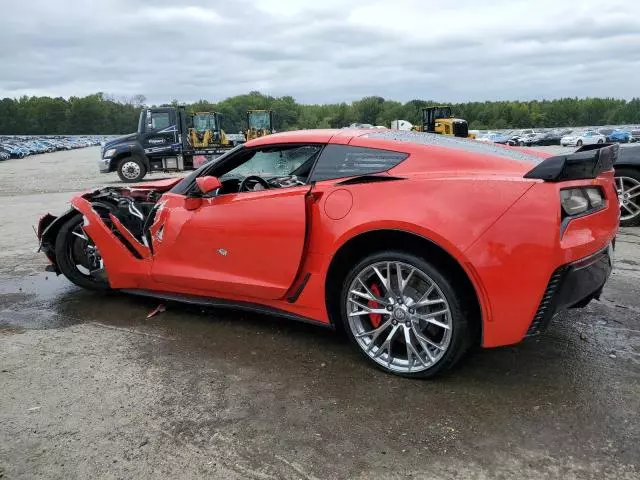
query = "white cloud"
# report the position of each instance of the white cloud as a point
(332, 50)
(179, 15)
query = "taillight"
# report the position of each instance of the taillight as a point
(581, 200)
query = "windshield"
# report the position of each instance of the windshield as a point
(260, 120)
(442, 112)
(204, 122)
(274, 163)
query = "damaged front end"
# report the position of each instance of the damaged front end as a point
(125, 213)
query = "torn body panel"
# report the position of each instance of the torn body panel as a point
(115, 215)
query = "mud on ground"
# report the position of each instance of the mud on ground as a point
(90, 388)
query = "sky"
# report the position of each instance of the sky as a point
(321, 51)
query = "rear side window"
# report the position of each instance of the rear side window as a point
(340, 161)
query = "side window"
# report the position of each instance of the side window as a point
(160, 120)
(339, 161)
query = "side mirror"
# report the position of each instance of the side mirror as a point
(208, 184)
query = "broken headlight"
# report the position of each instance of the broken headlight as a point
(576, 201)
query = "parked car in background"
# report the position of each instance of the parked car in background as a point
(590, 137)
(551, 137)
(4, 155)
(635, 135)
(619, 136)
(605, 131)
(531, 139)
(627, 182)
(493, 137)
(501, 138)
(627, 169)
(15, 151)
(517, 135)
(22, 145)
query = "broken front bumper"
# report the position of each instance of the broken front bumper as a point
(573, 286)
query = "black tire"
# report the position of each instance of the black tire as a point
(579, 143)
(600, 141)
(462, 331)
(63, 257)
(131, 169)
(635, 174)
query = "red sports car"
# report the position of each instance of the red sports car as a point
(417, 245)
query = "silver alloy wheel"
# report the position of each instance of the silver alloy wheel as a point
(85, 255)
(629, 197)
(399, 316)
(130, 170)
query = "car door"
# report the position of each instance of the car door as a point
(245, 244)
(160, 131)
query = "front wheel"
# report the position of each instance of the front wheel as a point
(404, 315)
(78, 257)
(628, 187)
(579, 143)
(131, 169)
(600, 141)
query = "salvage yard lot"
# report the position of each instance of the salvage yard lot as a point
(92, 388)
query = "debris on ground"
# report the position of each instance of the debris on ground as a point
(159, 309)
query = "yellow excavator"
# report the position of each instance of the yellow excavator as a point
(440, 120)
(205, 131)
(259, 123)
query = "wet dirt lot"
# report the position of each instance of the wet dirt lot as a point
(90, 388)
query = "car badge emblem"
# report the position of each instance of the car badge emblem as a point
(222, 252)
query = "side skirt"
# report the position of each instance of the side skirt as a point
(221, 303)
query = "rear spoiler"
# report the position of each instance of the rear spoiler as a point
(587, 162)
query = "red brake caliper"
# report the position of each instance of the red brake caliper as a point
(375, 318)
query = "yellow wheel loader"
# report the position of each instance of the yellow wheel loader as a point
(205, 131)
(440, 120)
(259, 123)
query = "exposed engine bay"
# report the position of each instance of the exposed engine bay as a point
(132, 207)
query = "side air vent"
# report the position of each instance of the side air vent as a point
(545, 309)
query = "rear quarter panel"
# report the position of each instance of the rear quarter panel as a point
(516, 257)
(451, 212)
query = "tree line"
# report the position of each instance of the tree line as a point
(103, 114)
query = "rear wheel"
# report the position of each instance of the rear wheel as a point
(404, 315)
(579, 143)
(131, 169)
(78, 257)
(628, 187)
(600, 141)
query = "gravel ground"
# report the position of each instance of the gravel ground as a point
(92, 389)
